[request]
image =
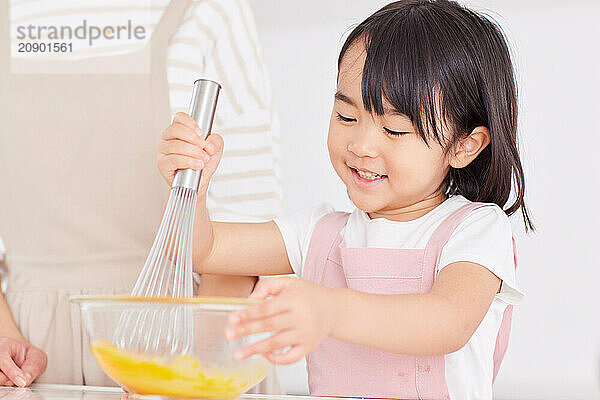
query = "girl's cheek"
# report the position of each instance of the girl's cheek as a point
(335, 144)
(330, 141)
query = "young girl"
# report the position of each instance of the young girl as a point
(410, 295)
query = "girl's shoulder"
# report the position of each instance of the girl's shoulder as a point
(485, 237)
(487, 215)
(482, 231)
(480, 209)
(302, 221)
(296, 228)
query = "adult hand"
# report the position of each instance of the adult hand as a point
(20, 362)
(300, 314)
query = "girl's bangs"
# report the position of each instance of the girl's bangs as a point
(403, 64)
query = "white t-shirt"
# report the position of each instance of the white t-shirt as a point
(483, 237)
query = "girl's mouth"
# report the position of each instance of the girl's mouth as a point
(366, 179)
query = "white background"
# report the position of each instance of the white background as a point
(555, 343)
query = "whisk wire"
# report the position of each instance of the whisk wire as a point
(167, 270)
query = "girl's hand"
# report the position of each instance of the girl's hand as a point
(20, 362)
(300, 314)
(182, 146)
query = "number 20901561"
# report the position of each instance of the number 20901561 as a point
(45, 47)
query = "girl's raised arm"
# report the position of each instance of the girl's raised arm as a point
(219, 248)
(244, 249)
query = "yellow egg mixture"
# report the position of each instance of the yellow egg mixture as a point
(185, 376)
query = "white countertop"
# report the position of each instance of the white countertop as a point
(72, 392)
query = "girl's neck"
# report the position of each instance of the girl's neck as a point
(411, 212)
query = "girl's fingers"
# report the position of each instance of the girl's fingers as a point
(214, 144)
(173, 162)
(184, 134)
(268, 324)
(173, 155)
(269, 287)
(177, 132)
(291, 356)
(265, 309)
(277, 341)
(179, 147)
(187, 121)
(214, 148)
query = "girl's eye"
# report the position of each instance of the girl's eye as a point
(394, 133)
(345, 119)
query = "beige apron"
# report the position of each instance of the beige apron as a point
(80, 195)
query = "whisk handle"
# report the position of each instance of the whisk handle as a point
(202, 109)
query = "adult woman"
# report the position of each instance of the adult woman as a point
(86, 224)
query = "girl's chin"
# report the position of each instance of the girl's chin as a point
(366, 205)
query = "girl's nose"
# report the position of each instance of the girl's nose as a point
(362, 146)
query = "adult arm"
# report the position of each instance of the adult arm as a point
(20, 362)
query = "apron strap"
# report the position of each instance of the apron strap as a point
(169, 23)
(323, 244)
(441, 235)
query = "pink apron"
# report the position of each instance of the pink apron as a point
(338, 368)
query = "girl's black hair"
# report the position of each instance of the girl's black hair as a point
(428, 57)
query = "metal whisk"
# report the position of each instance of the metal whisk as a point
(168, 268)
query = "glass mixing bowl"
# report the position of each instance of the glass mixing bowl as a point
(204, 369)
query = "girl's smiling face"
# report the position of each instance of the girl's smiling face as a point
(388, 169)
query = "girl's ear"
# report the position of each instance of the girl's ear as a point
(469, 148)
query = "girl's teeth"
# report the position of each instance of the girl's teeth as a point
(368, 175)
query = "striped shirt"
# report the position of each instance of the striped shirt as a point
(217, 40)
